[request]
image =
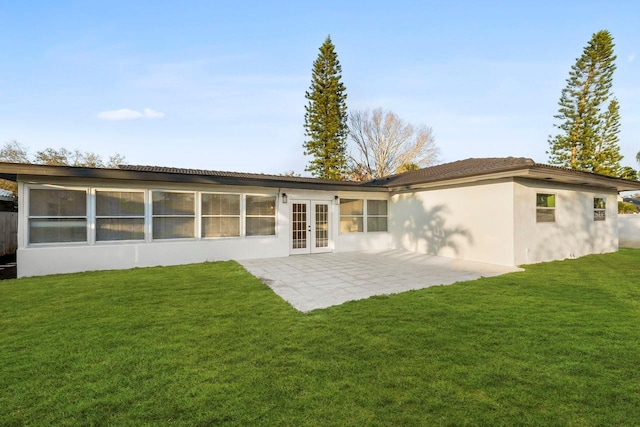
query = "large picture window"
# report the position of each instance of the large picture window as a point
(351, 215)
(599, 209)
(119, 215)
(376, 215)
(173, 215)
(260, 215)
(57, 216)
(220, 215)
(545, 207)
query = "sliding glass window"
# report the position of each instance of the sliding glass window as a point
(261, 215)
(220, 215)
(57, 216)
(173, 215)
(119, 215)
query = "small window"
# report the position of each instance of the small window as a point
(351, 216)
(599, 209)
(545, 207)
(119, 215)
(173, 215)
(57, 216)
(376, 215)
(261, 216)
(220, 215)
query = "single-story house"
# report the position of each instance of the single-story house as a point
(508, 211)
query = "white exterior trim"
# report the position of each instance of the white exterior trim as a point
(53, 258)
(490, 220)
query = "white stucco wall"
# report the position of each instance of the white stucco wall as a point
(574, 232)
(629, 230)
(43, 259)
(467, 222)
(348, 242)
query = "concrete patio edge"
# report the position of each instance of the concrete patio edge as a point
(310, 282)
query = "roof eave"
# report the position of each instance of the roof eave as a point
(469, 179)
(586, 179)
(537, 172)
(37, 171)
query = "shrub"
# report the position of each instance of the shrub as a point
(627, 208)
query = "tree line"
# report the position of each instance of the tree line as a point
(383, 144)
(15, 152)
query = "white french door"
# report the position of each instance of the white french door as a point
(310, 227)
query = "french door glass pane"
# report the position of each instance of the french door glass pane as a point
(322, 226)
(299, 226)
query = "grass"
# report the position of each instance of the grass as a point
(208, 344)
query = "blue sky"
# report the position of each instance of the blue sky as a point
(221, 84)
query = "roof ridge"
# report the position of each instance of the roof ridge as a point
(472, 164)
(213, 172)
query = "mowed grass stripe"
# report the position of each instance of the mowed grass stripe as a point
(207, 344)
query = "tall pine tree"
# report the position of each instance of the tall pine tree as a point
(607, 151)
(589, 133)
(325, 119)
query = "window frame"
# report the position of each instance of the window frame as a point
(546, 208)
(239, 216)
(367, 216)
(362, 215)
(600, 214)
(246, 216)
(146, 194)
(86, 217)
(153, 215)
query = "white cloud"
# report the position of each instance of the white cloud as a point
(128, 114)
(631, 58)
(152, 114)
(122, 114)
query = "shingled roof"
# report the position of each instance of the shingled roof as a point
(459, 169)
(233, 175)
(469, 170)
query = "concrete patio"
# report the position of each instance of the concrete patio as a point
(310, 282)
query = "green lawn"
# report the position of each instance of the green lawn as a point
(206, 344)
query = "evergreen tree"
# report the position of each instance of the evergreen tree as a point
(325, 119)
(607, 151)
(588, 140)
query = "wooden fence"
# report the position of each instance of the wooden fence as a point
(8, 233)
